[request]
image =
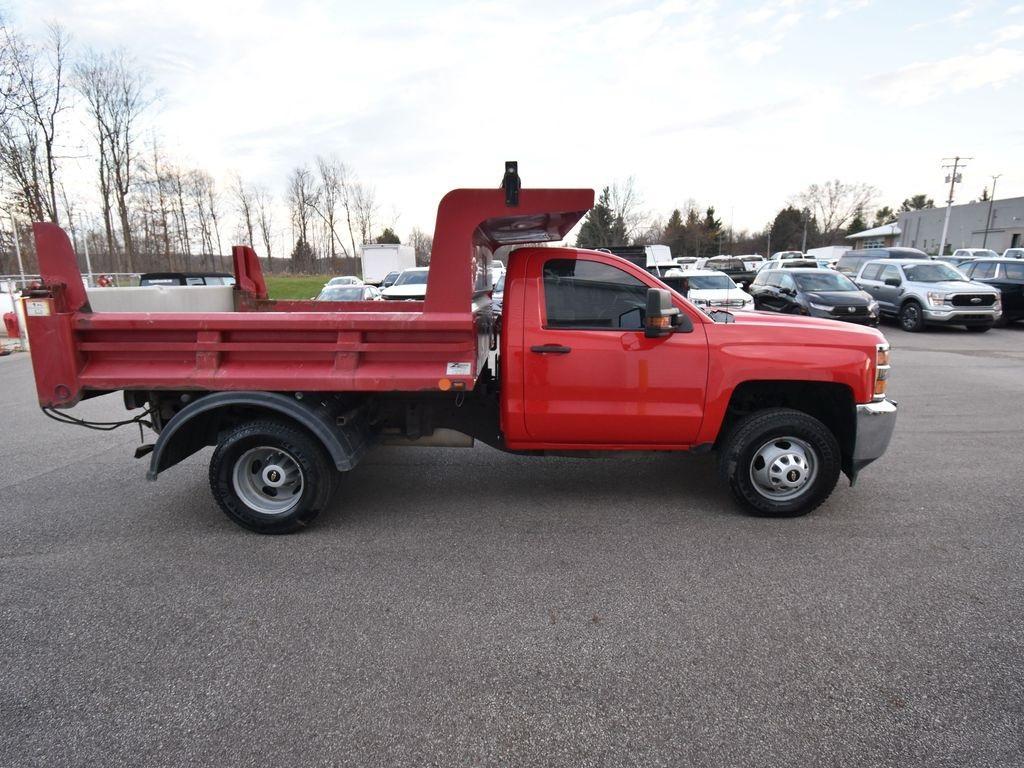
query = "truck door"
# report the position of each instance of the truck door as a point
(591, 375)
(888, 296)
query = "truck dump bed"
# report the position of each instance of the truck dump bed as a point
(440, 343)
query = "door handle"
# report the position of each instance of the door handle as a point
(551, 349)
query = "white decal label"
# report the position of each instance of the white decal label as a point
(459, 369)
(37, 307)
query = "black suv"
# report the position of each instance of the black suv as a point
(814, 292)
(851, 261)
(1008, 276)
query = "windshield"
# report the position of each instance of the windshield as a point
(499, 287)
(727, 264)
(933, 273)
(711, 283)
(341, 293)
(410, 277)
(790, 255)
(825, 281)
(983, 254)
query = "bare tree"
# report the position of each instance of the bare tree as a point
(834, 203)
(115, 89)
(199, 186)
(245, 207)
(33, 91)
(332, 197)
(39, 80)
(264, 205)
(421, 243)
(364, 205)
(302, 203)
(626, 205)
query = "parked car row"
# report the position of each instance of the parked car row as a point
(865, 285)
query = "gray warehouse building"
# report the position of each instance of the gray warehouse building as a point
(967, 223)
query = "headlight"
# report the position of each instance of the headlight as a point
(936, 298)
(881, 371)
(873, 308)
(821, 307)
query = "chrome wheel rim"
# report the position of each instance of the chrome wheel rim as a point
(783, 468)
(268, 480)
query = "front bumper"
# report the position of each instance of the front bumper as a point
(962, 316)
(875, 423)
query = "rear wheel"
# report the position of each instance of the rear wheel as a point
(271, 477)
(911, 317)
(780, 462)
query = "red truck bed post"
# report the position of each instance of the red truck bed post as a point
(468, 219)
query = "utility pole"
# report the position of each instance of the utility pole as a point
(988, 218)
(953, 178)
(803, 247)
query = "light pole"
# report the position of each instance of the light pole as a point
(988, 218)
(953, 178)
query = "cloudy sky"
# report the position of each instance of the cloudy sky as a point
(739, 104)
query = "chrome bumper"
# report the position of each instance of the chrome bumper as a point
(875, 423)
(961, 314)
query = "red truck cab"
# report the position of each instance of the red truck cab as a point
(590, 354)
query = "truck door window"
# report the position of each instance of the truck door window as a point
(889, 273)
(871, 272)
(984, 271)
(588, 295)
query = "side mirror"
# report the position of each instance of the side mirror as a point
(893, 281)
(662, 318)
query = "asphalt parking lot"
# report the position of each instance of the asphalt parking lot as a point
(464, 607)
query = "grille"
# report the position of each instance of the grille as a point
(968, 300)
(849, 311)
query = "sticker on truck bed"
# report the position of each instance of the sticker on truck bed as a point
(37, 307)
(458, 369)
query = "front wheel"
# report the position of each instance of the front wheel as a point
(270, 476)
(780, 462)
(911, 317)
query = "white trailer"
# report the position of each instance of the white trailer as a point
(380, 259)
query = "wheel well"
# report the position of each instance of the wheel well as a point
(830, 403)
(341, 431)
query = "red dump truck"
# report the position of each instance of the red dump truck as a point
(591, 355)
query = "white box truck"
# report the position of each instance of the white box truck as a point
(379, 260)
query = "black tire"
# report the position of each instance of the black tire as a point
(911, 317)
(748, 436)
(978, 328)
(297, 450)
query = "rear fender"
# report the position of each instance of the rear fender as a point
(199, 424)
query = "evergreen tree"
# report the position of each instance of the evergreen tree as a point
(674, 234)
(388, 236)
(602, 228)
(712, 231)
(857, 223)
(302, 258)
(917, 203)
(883, 216)
(787, 231)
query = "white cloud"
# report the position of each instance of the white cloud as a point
(927, 81)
